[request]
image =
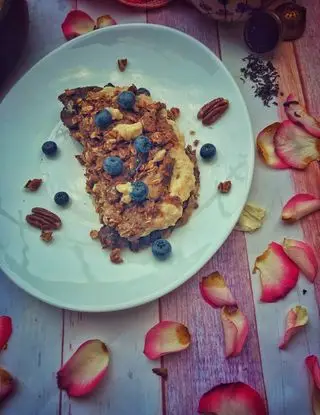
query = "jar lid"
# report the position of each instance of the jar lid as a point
(262, 31)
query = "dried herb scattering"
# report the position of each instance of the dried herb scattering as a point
(264, 77)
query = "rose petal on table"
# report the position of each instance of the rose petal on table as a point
(302, 254)
(300, 205)
(232, 399)
(77, 23)
(166, 337)
(266, 147)
(85, 368)
(297, 318)
(6, 384)
(251, 218)
(145, 4)
(235, 326)
(295, 146)
(5, 330)
(313, 366)
(299, 115)
(105, 21)
(278, 274)
(215, 291)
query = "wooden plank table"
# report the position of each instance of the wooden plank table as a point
(44, 336)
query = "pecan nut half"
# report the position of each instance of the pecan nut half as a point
(122, 64)
(33, 184)
(43, 219)
(225, 187)
(213, 110)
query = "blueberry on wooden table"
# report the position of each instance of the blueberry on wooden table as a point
(113, 165)
(49, 148)
(61, 198)
(139, 192)
(143, 91)
(103, 119)
(161, 249)
(208, 151)
(126, 100)
(142, 144)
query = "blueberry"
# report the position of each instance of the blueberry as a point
(103, 119)
(161, 249)
(126, 100)
(143, 91)
(142, 144)
(49, 148)
(208, 151)
(61, 198)
(109, 84)
(139, 191)
(113, 165)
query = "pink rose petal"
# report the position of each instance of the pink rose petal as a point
(5, 330)
(105, 21)
(7, 384)
(232, 399)
(298, 115)
(85, 368)
(300, 205)
(166, 337)
(295, 146)
(297, 318)
(145, 4)
(77, 23)
(313, 366)
(215, 291)
(278, 274)
(302, 254)
(236, 328)
(266, 149)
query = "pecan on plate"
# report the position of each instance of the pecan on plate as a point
(115, 256)
(33, 184)
(46, 236)
(173, 113)
(43, 219)
(122, 64)
(225, 187)
(213, 110)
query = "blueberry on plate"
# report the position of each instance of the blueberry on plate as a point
(113, 165)
(161, 249)
(142, 144)
(143, 91)
(139, 191)
(49, 148)
(103, 119)
(126, 100)
(61, 198)
(208, 151)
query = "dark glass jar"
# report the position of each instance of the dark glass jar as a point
(14, 23)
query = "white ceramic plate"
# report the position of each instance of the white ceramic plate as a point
(73, 272)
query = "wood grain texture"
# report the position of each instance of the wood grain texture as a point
(202, 366)
(305, 82)
(271, 189)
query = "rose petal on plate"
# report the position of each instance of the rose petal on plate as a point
(313, 366)
(77, 23)
(302, 254)
(6, 384)
(251, 218)
(85, 368)
(166, 337)
(236, 328)
(300, 205)
(299, 115)
(297, 318)
(105, 21)
(232, 399)
(266, 148)
(5, 330)
(295, 146)
(215, 291)
(278, 274)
